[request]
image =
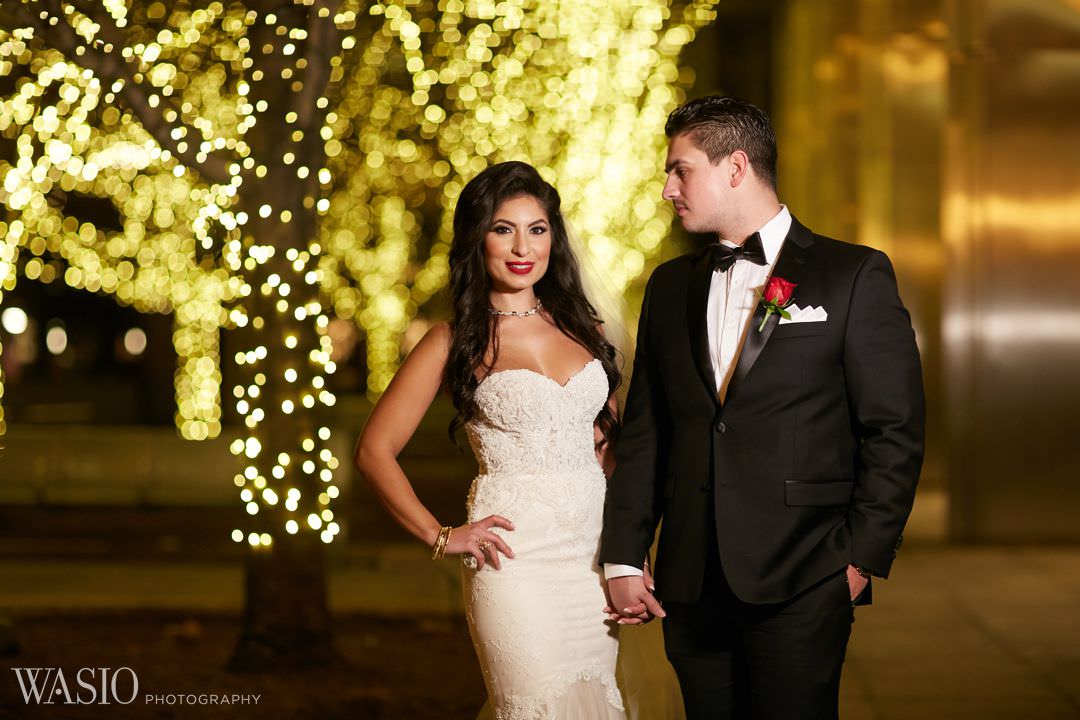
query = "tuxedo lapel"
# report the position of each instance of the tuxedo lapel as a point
(791, 265)
(696, 309)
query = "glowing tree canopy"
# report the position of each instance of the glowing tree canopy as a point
(275, 164)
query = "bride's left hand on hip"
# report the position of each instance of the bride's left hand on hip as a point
(477, 540)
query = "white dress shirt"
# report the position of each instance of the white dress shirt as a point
(733, 297)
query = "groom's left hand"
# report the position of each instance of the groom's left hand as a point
(856, 582)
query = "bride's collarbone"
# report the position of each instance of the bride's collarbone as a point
(541, 348)
(559, 364)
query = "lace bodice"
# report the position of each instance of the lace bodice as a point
(530, 424)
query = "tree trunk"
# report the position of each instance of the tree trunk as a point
(286, 616)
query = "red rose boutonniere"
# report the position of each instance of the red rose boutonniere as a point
(775, 298)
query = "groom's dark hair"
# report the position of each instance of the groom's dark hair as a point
(721, 125)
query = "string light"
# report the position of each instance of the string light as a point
(376, 158)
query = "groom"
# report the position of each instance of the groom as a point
(774, 422)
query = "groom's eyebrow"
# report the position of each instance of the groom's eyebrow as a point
(672, 165)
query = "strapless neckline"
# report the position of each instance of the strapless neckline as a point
(530, 371)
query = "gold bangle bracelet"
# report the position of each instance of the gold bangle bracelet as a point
(436, 546)
(438, 550)
(445, 540)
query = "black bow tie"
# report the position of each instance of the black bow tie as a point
(724, 256)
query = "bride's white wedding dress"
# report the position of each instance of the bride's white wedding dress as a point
(545, 647)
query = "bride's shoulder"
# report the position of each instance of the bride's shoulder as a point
(440, 332)
(435, 343)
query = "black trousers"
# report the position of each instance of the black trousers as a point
(737, 661)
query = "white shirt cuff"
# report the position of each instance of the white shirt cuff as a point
(611, 570)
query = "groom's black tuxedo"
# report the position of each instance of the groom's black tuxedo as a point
(811, 461)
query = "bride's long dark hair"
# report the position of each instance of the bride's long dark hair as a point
(560, 289)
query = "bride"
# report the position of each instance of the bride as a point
(532, 378)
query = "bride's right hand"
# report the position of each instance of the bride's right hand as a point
(476, 539)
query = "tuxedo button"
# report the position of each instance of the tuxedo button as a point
(721, 427)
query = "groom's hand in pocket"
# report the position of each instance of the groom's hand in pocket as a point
(857, 582)
(630, 602)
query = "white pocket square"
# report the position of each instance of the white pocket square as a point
(806, 314)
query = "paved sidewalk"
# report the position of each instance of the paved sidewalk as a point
(388, 579)
(956, 634)
(969, 634)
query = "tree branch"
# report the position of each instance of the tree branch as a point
(110, 66)
(322, 44)
(17, 17)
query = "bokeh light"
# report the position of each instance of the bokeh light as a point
(135, 341)
(378, 114)
(56, 339)
(14, 320)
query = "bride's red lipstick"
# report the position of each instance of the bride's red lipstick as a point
(522, 268)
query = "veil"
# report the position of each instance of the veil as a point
(648, 683)
(606, 298)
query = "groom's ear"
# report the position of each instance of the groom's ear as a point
(738, 168)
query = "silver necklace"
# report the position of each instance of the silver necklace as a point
(516, 313)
